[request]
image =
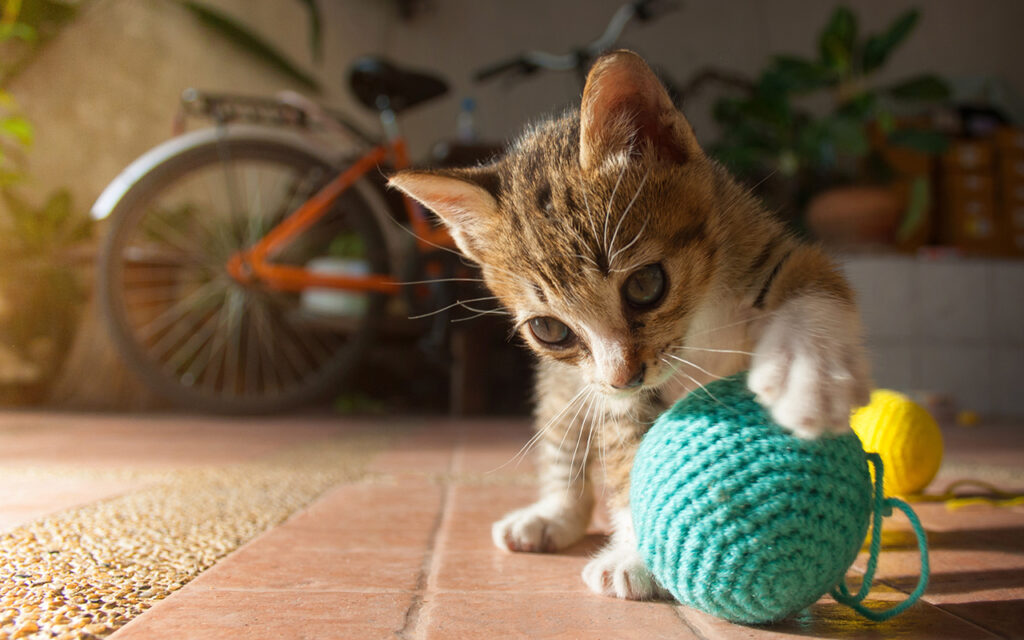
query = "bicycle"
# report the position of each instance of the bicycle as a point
(247, 266)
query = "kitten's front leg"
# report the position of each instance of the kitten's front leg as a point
(561, 515)
(619, 570)
(809, 366)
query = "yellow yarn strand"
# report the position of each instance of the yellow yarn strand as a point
(995, 497)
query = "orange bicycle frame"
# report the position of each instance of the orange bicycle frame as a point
(254, 263)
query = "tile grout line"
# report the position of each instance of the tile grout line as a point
(678, 610)
(993, 632)
(411, 623)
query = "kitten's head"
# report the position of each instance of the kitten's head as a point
(595, 229)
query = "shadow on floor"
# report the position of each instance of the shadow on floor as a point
(964, 581)
(587, 547)
(1002, 539)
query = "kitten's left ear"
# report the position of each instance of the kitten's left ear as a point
(463, 198)
(626, 109)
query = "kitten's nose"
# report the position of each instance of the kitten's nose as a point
(636, 380)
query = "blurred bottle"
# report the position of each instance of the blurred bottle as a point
(465, 124)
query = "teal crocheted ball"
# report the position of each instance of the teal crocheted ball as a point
(739, 518)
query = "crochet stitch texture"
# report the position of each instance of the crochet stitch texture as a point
(737, 517)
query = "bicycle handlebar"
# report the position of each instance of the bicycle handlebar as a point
(529, 62)
(519, 65)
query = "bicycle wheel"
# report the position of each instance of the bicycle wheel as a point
(193, 333)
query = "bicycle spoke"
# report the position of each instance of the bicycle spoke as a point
(250, 384)
(198, 368)
(186, 354)
(214, 363)
(180, 242)
(174, 312)
(291, 348)
(233, 356)
(266, 341)
(254, 230)
(235, 206)
(223, 236)
(181, 329)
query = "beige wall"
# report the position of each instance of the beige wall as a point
(106, 89)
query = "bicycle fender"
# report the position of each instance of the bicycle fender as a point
(130, 176)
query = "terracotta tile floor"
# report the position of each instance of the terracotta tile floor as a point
(405, 551)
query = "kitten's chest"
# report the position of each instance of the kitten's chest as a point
(717, 345)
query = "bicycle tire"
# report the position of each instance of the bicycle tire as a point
(311, 367)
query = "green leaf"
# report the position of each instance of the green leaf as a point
(923, 87)
(848, 135)
(878, 47)
(886, 121)
(254, 44)
(919, 201)
(727, 111)
(316, 44)
(18, 128)
(920, 140)
(798, 75)
(57, 209)
(17, 30)
(861, 106)
(837, 40)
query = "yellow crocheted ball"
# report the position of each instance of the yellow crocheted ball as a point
(905, 435)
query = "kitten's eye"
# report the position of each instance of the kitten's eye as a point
(645, 286)
(550, 331)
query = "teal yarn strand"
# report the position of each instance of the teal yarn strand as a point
(738, 518)
(884, 506)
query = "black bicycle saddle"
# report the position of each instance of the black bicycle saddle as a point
(378, 84)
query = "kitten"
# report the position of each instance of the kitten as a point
(638, 270)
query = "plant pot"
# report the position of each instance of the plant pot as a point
(856, 215)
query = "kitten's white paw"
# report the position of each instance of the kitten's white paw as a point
(809, 367)
(619, 571)
(545, 526)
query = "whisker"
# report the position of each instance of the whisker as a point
(622, 217)
(590, 215)
(463, 257)
(726, 326)
(588, 259)
(575, 450)
(496, 310)
(457, 303)
(569, 429)
(695, 366)
(540, 432)
(631, 243)
(586, 420)
(628, 269)
(608, 209)
(586, 457)
(604, 466)
(685, 346)
(693, 380)
(438, 280)
(763, 180)
(403, 227)
(480, 313)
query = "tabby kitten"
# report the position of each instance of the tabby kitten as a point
(638, 270)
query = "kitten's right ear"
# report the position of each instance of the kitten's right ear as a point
(462, 198)
(626, 109)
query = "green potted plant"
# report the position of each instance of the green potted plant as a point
(779, 134)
